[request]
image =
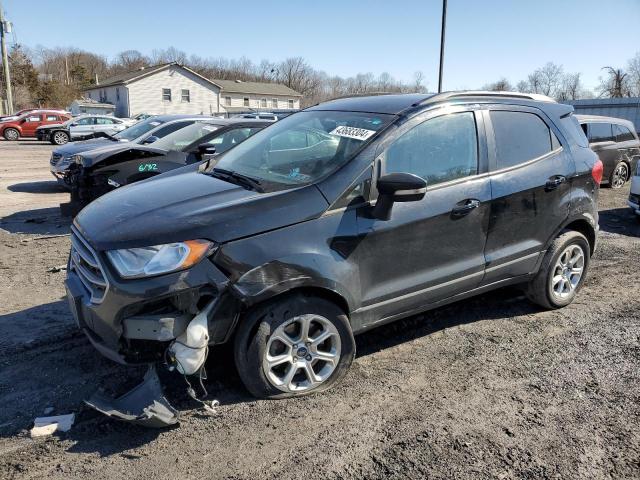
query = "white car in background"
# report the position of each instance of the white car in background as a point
(634, 196)
(82, 127)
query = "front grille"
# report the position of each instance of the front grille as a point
(84, 262)
(55, 158)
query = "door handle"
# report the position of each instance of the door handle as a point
(465, 207)
(554, 182)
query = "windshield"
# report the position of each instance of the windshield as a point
(304, 147)
(137, 130)
(184, 137)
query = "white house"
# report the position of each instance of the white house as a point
(173, 88)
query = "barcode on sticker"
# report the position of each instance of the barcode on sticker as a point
(353, 132)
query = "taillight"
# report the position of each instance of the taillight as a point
(596, 171)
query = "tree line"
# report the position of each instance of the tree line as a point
(54, 77)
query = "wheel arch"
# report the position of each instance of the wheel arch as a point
(583, 226)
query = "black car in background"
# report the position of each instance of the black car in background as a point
(616, 143)
(142, 133)
(339, 218)
(100, 170)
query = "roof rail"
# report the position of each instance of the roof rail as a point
(365, 94)
(486, 93)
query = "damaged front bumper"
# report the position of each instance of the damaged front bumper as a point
(134, 321)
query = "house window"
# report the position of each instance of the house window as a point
(227, 101)
(186, 97)
(291, 105)
(274, 102)
(263, 103)
(117, 94)
(246, 101)
(166, 94)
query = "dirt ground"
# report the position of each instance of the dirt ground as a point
(492, 387)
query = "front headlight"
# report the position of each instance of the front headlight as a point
(76, 159)
(158, 259)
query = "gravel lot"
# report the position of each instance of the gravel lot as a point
(488, 388)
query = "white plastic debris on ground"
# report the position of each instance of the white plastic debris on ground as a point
(43, 426)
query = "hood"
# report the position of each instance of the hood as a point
(191, 206)
(96, 155)
(80, 147)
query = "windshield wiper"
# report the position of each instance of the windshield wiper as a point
(237, 178)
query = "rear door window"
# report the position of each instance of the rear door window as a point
(520, 137)
(622, 133)
(600, 132)
(438, 150)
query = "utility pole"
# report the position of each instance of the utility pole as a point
(442, 30)
(5, 60)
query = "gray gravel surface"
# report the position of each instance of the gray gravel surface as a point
(491, 387)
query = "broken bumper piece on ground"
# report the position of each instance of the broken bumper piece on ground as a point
(144, 405)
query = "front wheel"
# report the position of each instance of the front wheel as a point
(11, 134)
(562, 273)
(619, 176)
(293, 346)
(59, 138)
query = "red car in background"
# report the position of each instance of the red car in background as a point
(26, 124)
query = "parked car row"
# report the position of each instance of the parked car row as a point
(334, 220)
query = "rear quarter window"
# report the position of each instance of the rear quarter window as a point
(574, 130)
(520, 137)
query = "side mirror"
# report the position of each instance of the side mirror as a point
(73, 125)
(206, 149)
(150, 139)
(397, 187)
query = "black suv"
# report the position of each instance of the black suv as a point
(345, 216)
(617, 145)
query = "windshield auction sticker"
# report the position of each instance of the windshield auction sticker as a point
(353, 132)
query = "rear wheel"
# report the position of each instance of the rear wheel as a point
(11, 134)
(59, 138)
(293, 346)
(619, 176)
(562, 273)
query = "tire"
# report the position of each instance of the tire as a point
(619, 175)
(59, 138)
(11, 134)
(555, 286)
(270, 343)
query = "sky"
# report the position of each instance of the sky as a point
(485, 39)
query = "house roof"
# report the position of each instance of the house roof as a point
(129, 76)
(256, 88)
(229, 86)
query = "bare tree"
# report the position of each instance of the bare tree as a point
(633, 70)
(129, 60)
(501, 85)
(615, 85)
(571, 88)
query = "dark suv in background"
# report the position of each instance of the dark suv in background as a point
(345, 216)
(616, 143)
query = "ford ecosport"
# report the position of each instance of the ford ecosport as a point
(345, 216)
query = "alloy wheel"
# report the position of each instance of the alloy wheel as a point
(302, 353)
(11, 134)
(619, 176)
(567, 272)
(60, 138)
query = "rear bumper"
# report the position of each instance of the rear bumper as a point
(112, 325)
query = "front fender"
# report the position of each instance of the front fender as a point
(307, 270)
